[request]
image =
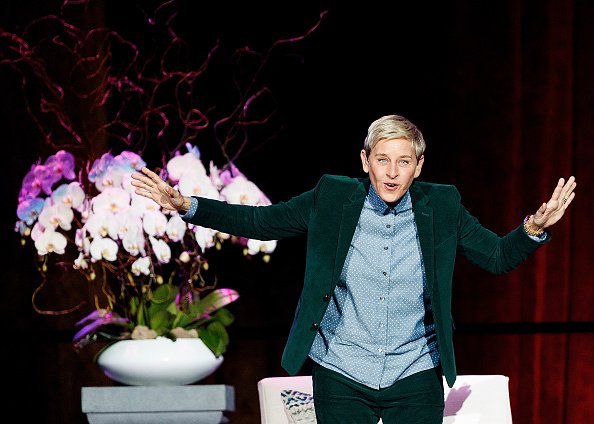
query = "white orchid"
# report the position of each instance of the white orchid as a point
(102, 224)
(241, 191)
(113, 199)
(139, 252)
(81, 262)
(56, 215)
(161, 250)
(71, 195)
(197, 184)
(154, 223)
(128, 221)
(176, 228)
(187, 163)
(141, 266)
(142, 205)
(133, 243)
(104, 248)
(256, 246)
(50, 241)
(205, 237)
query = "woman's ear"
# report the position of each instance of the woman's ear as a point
(419, 166)
(364, 161)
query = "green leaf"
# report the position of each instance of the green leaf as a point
(140, 319)
(164, 294)
(172, 308)
(182, 319)
(224, 317)
(162, 299)
(134, 306)
(212, 301)
(215, 336)
(160, 321)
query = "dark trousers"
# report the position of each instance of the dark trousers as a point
(415, 399)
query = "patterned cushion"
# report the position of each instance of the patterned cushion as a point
(299, 407)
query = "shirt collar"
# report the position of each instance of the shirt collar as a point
(379, 206)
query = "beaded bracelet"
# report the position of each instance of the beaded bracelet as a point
(528, 230)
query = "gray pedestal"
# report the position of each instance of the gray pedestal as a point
(193, 404)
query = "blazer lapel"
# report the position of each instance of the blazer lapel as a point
(424, 219)
(350, 212)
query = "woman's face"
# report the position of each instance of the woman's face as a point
(392, 166)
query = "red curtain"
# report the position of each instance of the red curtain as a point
(531, 70)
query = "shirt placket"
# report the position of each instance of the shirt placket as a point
(384, 253)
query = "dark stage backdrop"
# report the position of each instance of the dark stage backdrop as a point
(503, 92)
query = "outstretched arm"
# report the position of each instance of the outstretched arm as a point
(552, 211)
(150, 185)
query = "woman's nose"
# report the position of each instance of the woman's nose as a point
(392, 171)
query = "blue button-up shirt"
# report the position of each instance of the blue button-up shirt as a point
(379, 327)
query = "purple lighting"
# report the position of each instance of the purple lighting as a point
(87, 85)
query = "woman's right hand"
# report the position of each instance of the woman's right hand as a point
(150, 185)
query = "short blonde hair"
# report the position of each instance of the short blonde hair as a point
(394, 126)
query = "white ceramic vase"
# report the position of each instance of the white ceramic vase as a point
(158, 362)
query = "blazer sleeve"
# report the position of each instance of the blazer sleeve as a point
(488, 250)
(281, 220)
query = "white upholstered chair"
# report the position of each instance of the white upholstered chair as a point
(474, 399)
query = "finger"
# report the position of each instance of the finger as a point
(143, 193)
(568, 190)
(569, 183)
(136, 177)
(141, 185)
(172, 192)
(558, 189)
(569, 200)
(151, 175)
(569, 187)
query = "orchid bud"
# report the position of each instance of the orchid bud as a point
(266, 258)
(159, 279)
(205, 266)
(184, 257)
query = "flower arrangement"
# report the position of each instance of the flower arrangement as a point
(150, 263)
(112, 98)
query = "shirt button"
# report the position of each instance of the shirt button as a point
(388, 226)
(381, 324)
(326, 297)
(380, 350)
(315, 326)
(382, 298)
(385, 247)
(385, 273)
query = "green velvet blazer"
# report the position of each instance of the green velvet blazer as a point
(328, 214)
